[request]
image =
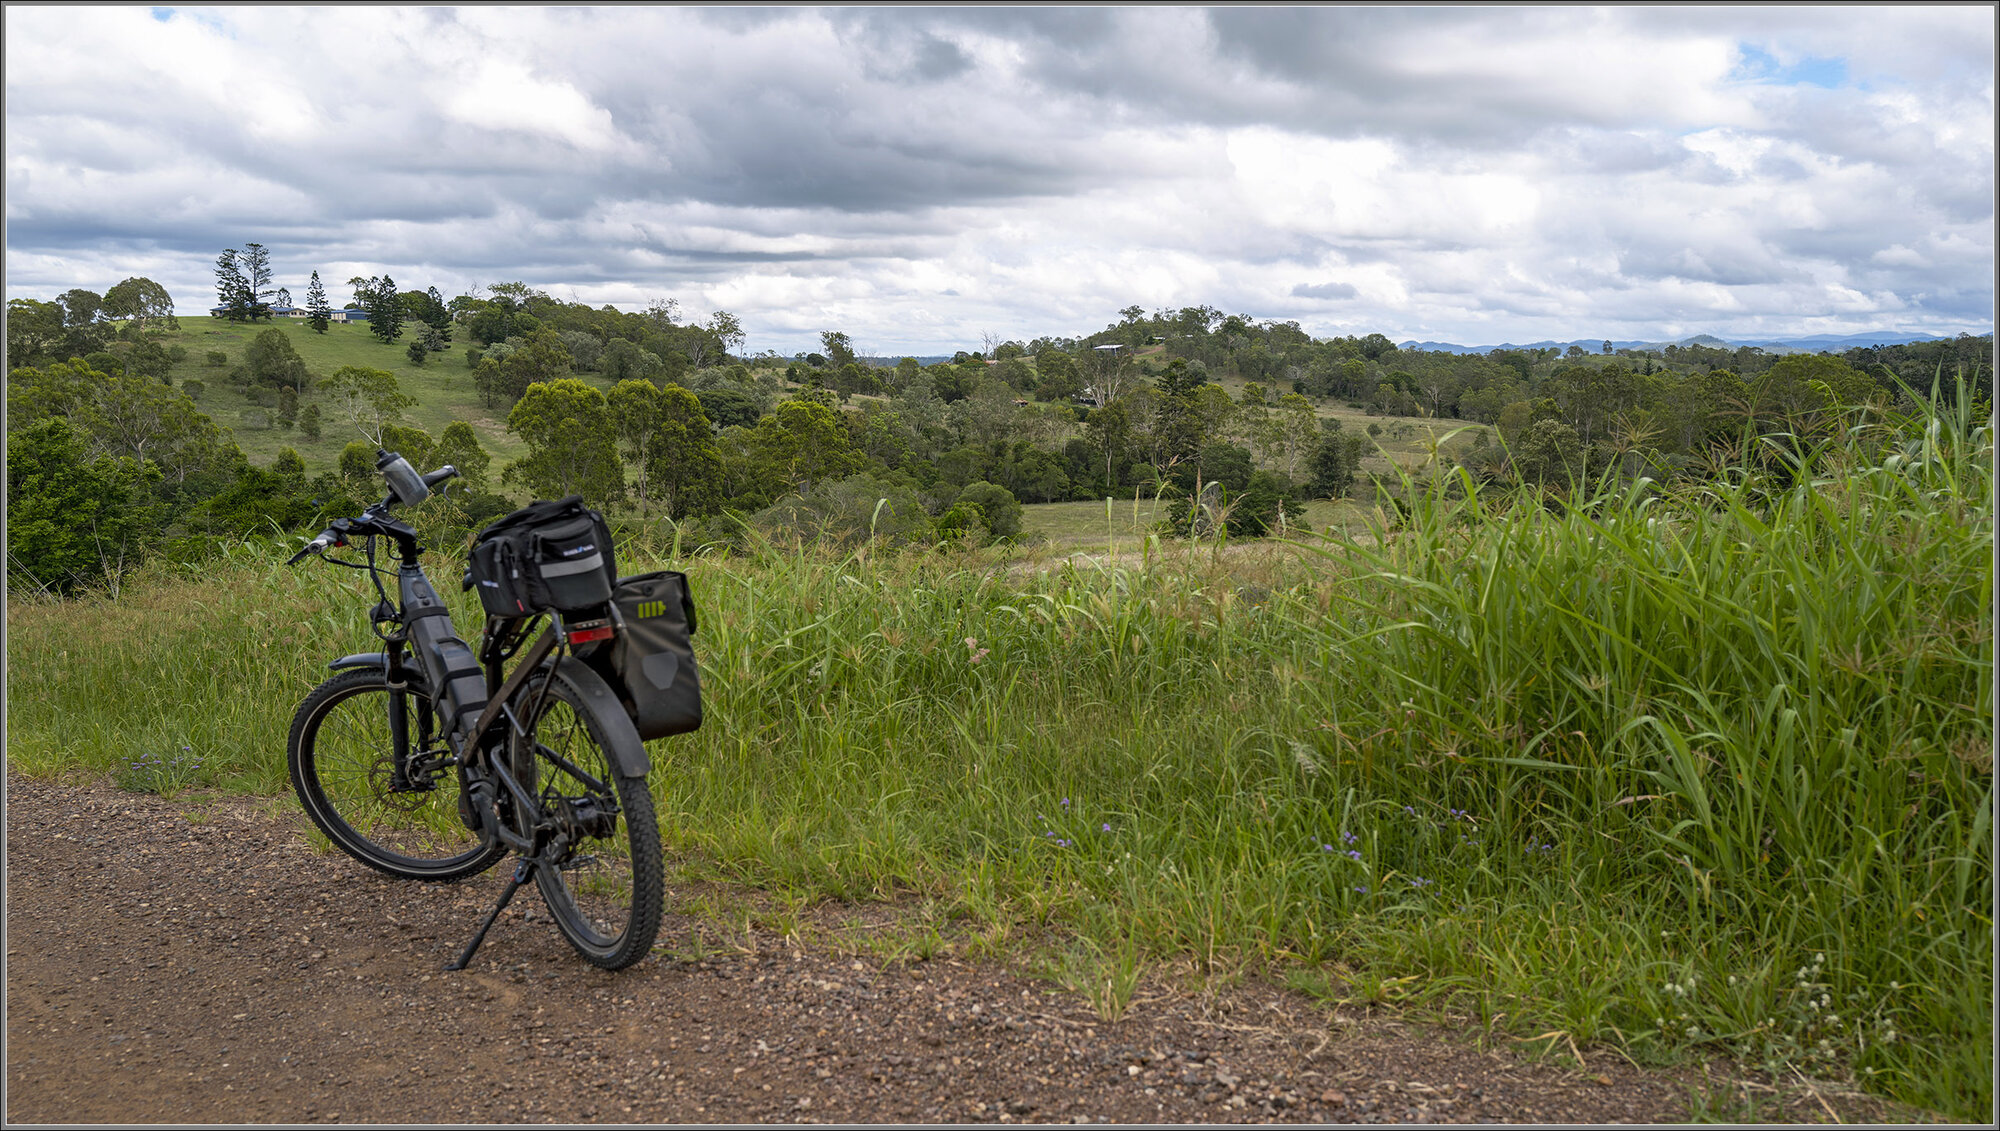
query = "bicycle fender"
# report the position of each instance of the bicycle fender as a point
(621, 738)
(361, 660)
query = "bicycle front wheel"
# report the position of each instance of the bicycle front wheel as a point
(601, 875)
(343, 760)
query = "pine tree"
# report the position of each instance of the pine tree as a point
(232, 291)
(256, 266)
(438, 317)
(385, 310)
(318, 312)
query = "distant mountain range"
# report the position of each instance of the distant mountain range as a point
(1811, 343)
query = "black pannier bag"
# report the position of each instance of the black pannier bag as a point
(547, 555)
(650, 662)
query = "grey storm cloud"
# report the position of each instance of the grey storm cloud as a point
(920, 176)
(1325, 290)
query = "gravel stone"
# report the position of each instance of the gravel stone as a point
(199, 961)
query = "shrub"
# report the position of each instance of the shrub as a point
(999, 507)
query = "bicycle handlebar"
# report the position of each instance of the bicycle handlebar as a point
(335, 536)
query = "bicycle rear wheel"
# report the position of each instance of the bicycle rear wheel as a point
(602, 877)
(341, 755)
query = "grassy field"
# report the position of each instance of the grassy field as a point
(442, 386)
(1122, 525)
(1679, 772)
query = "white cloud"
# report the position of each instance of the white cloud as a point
(916, 177)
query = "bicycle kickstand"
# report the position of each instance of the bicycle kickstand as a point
(521, 873)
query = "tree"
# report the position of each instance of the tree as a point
(72, 519)
(543, 357)
(1376, 346)
(997, 506)
(1257, 510)
(385, 310)
(1331, 464)
(438, 314)
(273, 361)
(489, 379)
(319, 313)
(634, 408)
(572, 446)
(256, 265)
(660, 314)
(491, 323)
(459, 446)
(1110, 373)
(1179, 429)
(141, 300)
(726, 406)
(1549, 452)
(34, 332)
(803, 442)
(80, 307)
(417, 352)
(232, 289)
(586, 350)
(684, 466)
(1300, 426)
(728, 330)
(124, 416)
(153, 359)
(259, 499)
(369, 398)
(1110, 432)
(1801, 384)
(839, 348)
(624, 360)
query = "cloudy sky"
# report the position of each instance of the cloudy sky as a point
(920, 178)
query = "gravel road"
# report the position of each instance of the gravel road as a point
(198, 961)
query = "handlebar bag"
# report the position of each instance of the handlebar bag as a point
(547, 555)
(650, 662)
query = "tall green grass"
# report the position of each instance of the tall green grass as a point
(1703, 767)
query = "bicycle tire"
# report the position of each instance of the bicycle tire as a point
(604, 889)
(339, 754)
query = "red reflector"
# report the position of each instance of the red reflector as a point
(586, 635)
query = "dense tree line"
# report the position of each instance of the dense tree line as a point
(653, 415)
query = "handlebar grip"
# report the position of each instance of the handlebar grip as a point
(440, 475)
(316, 546)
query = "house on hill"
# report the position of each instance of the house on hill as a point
(273, 311)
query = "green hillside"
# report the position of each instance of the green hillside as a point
(442, 386)
(444, 391)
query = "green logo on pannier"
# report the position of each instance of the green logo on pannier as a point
(652, 609)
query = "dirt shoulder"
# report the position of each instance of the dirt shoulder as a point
(198, 961)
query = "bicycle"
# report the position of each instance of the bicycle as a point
(435, 770)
